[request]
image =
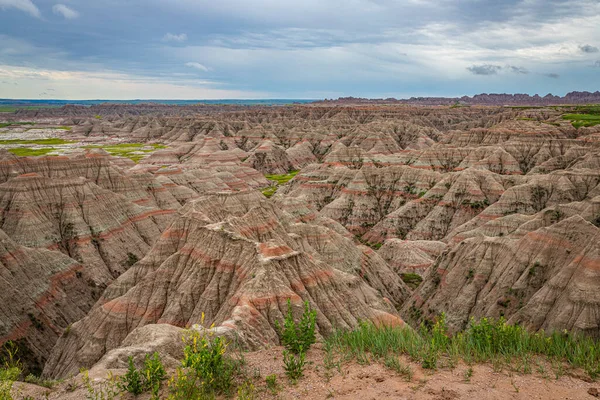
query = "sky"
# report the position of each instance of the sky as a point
(300, 49)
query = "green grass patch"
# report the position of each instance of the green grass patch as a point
(270, 191)
(282, 179)
(6, 124)
(279, 180)
(412, 280)
(484, 341)
(133, 151)
(585, 116)
(64, 128)
(42, 142)
(30, 152)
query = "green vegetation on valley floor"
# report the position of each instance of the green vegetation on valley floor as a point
(31, 152)
(42, 142)
(133, 151)
(281, 179)
(584, 116)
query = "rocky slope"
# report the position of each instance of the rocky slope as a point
(236, 260)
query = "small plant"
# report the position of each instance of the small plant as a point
(132, 380)
(393, 363)
(131, 259)
(272, 384)
(294, 365)
(468, 374)
(10, 369)
(246, 391)
(106, 390)
(298, 337)
(153, 374)
(205, 369)
(36, 380)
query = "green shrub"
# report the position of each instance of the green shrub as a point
(412, 280)
(132, 380)
(272, 384)
(294, 364)
(205, 369)
(298, 337)
(10, 369)
(153, 374)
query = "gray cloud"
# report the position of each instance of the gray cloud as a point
(484, 69)
(518, 70)
(170, 37)
(64, 11)
(597, 64)
(552, 75)
(23, 5)
(589, 49)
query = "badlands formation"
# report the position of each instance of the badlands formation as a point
(140, 221)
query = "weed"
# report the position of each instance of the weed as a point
(298, 337)
(106, 390)
(294, 365)
(36, 380)
(468, 374)
(10, 369)
(246, 391)
(272, 384)
(205, 370)
(393, 363)
(132, 380)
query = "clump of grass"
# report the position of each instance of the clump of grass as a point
(482, 341)
(412, 280)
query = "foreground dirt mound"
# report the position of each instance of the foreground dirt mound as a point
(546, 278)
(236, 259)
(43, 292)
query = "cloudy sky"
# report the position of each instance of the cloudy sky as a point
(206, 49)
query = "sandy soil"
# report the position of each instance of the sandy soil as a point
(371, 382)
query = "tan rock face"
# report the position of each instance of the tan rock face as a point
(546, 279)
(43, 292)
(236, 259)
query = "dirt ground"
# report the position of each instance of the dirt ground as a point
(372, 382)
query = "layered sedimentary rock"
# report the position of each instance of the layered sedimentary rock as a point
(546, 279)
(43, 292)
(237, 259)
